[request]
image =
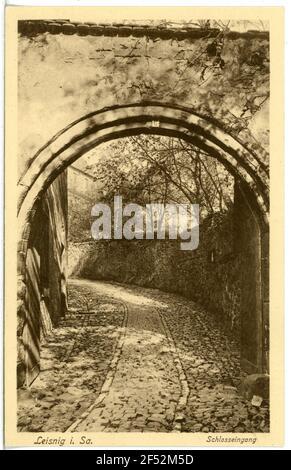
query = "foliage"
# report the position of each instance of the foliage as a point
(144, 169)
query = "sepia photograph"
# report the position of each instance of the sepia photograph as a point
(142, 163)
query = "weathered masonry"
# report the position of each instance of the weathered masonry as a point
(44, 299)
(82, 85)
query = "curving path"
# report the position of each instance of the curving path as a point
(142, 390)
(131, 359)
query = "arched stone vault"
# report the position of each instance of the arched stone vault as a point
(115, 122)
(154, 118)
(197, 110)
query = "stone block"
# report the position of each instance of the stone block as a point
(255, 384)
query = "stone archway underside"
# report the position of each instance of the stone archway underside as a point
(153, 118)
(244, 163)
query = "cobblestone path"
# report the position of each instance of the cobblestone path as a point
(143, 391)
(138, 360)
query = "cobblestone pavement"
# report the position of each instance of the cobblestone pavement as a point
(74, 361)
(138, 360)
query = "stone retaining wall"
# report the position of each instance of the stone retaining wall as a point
(45, 297)
(210, 275)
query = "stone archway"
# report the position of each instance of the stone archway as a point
(245, 164)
